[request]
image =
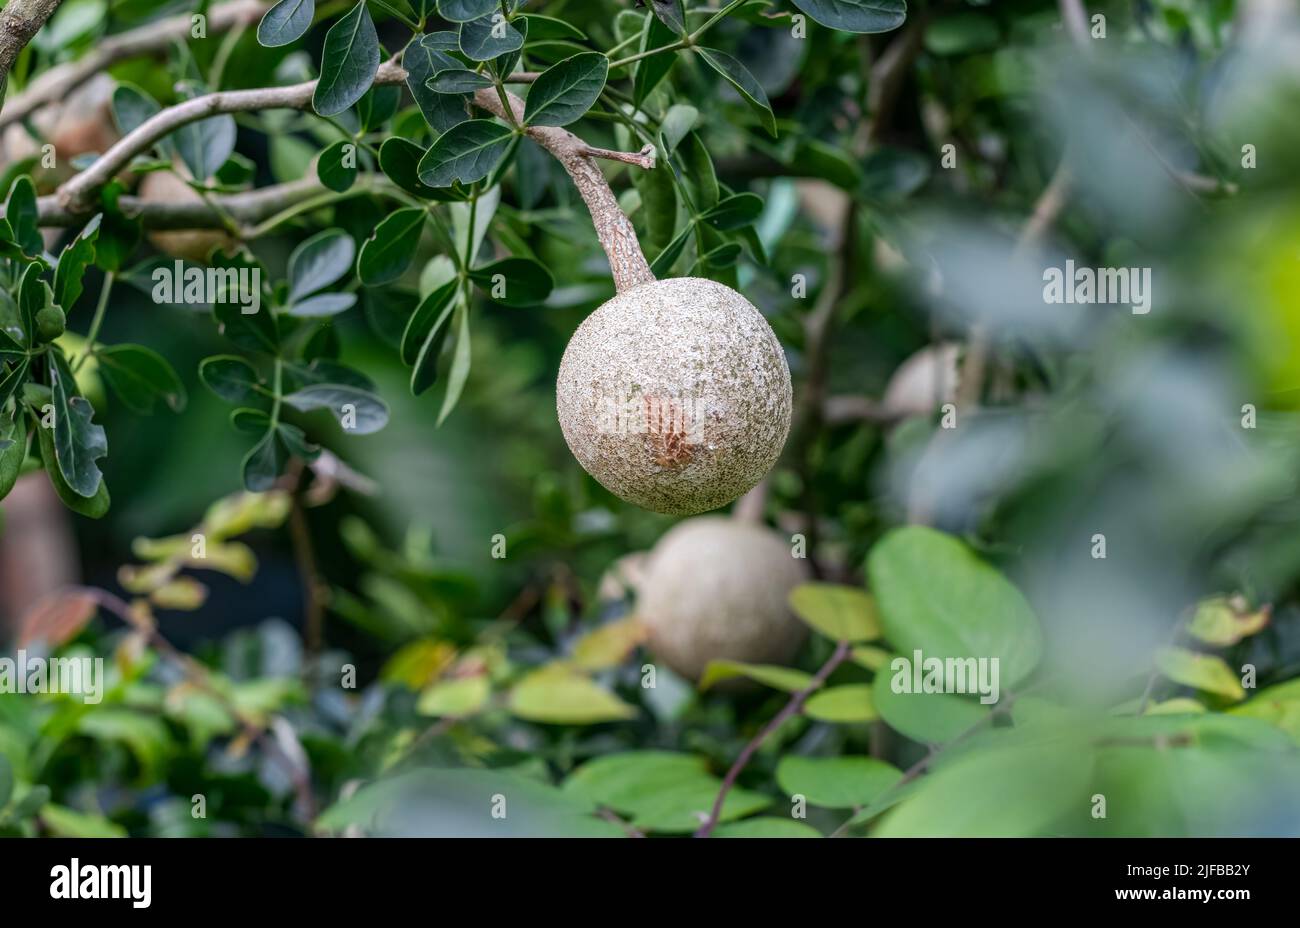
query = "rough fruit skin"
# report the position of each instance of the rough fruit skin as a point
(715, 588)
(675, 395)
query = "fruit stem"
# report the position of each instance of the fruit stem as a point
(627, 263)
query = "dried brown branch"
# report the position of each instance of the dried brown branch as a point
(56, 83)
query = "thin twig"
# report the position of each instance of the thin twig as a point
(842, 651)
(314, 589)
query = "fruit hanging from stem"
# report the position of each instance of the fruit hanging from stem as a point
(675, 394)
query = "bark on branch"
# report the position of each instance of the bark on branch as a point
(19, 21)
(59, 81)
(80, 193)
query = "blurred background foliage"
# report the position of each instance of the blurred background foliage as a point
(1086, 419)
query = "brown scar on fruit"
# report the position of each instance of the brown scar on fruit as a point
(665, 426)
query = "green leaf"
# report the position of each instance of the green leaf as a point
(651, 70)
(1200, 671)
(489, 36)
(205, 145)
(856, 15)
(424, 371)
(145, 735)
(463, 11)
(250, 421)
(662, 790)
(73, 261)
(399, 159)
(782, 678)
(6, 781)
(565, 91)
(665, 260)
(319, 261)
(849, 703)
(1278, 705)
(250, 331)
(94, 507)
(541, 29)
(13, 446)
(425, 56)
(620, 780)
(739, 77)
(931, 718)
(321, 305)
(337, 165)
(231, 378)
(1225, 620)
(467, 152)
(766, 827)
(841, 613)
(679, 120)
(119, 234)
(140, 376)
(671, 13)
(387, 254)
(697, 171)
(460, 361)
(286, 22)
(658, 203)
(558, 696)
(457, 80)
(503, 65)
(132, 107)
(69, 823)
(34, 295)
(78, 442)
(348, 62)
(836, 782)
(515, 281)
(685, 808)
(444, 803)
(428, 317)
(264, 462)
(455, 698)
(378, 105)
(936, 596)
(737, 210)
(23, 216)
(358, 411)
(1004, 790)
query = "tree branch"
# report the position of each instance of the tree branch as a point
(78, 195)
(19, 21)
(56, 83)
